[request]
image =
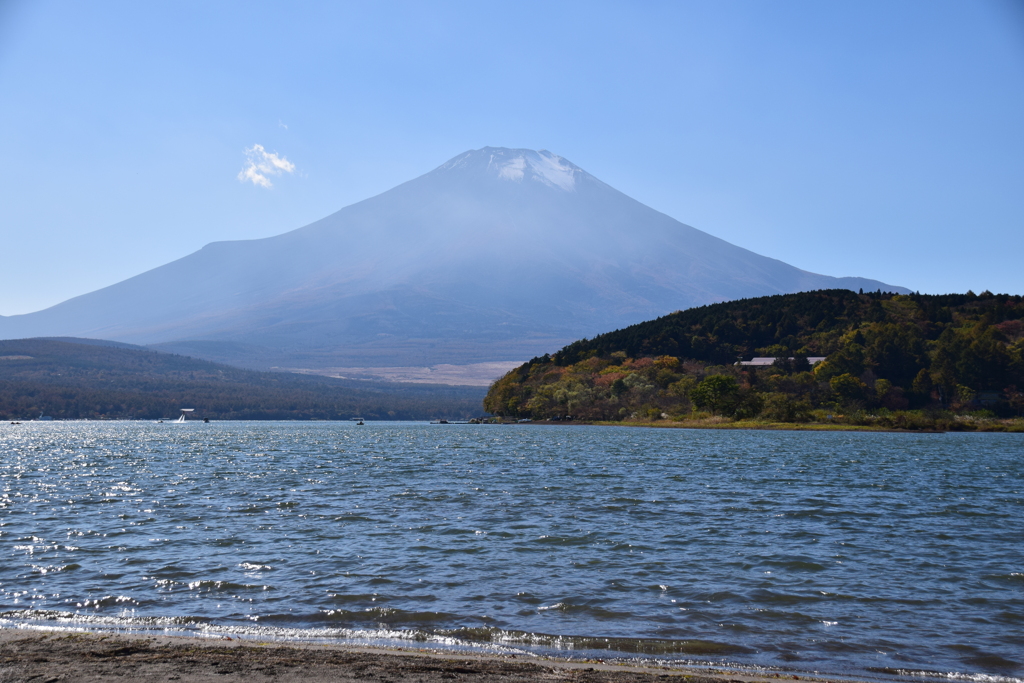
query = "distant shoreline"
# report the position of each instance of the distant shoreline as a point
(52, 655)
(990, 427)
(1015, 426)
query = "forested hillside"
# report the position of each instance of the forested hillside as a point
(68, 380)
(886, 354)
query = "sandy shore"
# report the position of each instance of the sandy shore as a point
(47, 657)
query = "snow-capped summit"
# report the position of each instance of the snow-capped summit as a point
(542, 166)
(497, 254)
(518, 165)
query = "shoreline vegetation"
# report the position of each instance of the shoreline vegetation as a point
(876, 424)
(830, 359)
(64, 655)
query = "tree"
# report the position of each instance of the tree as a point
(847, 387)
(847, 360)
(715, 392)
(779, 407)
(921, 389)
(896, 352)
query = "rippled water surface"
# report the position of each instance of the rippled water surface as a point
(850, 553)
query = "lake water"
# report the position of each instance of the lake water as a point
(868, 555)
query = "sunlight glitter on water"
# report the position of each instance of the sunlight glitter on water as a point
(858, 554)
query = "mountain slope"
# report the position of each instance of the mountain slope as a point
(78, 378)
(496, 254)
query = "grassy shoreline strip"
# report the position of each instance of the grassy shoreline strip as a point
(997, 427)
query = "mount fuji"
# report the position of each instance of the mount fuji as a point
(498, 254)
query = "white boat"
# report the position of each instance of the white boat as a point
(184, 411)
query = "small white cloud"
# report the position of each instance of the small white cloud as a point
(259, 163)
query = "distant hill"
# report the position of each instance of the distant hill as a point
(498, 254)
(889, 352)
(74, 379)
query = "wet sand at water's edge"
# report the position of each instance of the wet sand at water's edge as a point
(48, 657)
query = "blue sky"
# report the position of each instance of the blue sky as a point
(879, 139)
